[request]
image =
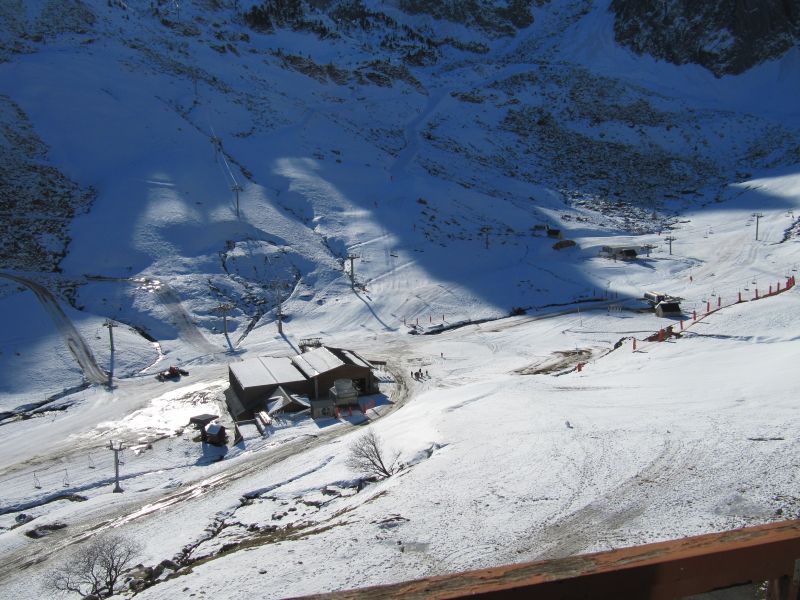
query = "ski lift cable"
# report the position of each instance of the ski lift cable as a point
(222, 171)
(230, 172)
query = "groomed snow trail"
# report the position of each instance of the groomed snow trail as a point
(72, 338)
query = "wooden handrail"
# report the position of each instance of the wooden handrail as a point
(671, 569)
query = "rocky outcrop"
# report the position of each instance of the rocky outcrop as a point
(480, 14)
(37, 201)
(724, 37)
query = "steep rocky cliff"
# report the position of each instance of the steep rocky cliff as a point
(724, 37)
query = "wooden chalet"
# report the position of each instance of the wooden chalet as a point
(324, 365)
(305, 377)
(255, 380)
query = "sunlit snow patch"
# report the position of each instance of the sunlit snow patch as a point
(171, 410)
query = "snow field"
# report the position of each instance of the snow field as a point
(511, 454)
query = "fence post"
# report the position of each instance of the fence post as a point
(634, 344)
(681, 324)
(719, 301)
(694, 315)
(756, 293)
(740, 296)
(708, 307)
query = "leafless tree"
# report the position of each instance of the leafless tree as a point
(94, 568)
(367, 456)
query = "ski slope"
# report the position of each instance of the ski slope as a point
(510, 452)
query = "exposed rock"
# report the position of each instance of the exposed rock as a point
(491, 17)
(44, 530)
(724, 37)
(37, 201)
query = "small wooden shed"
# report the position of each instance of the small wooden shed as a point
(200, 421)
(666, 308)
(215, 434)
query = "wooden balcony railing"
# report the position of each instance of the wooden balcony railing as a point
(672, 569)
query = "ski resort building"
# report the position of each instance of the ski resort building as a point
(324, 365)
(312, 374)
(663, 304)
(282, 401)
(620, 252)
(257, 378)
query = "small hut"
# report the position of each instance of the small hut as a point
(667, 308)
(215, 434)
(554, 233)
(200, 421)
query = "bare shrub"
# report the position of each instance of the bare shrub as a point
(94, 568)
(367, 456)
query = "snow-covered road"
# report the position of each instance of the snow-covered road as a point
(72, 338)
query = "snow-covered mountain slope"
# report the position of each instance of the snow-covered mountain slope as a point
(165, 163)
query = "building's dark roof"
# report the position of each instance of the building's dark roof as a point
(316, 361)
(214, 429)
(324, 359)
(265, 371)
(281, 400)
(203, 420)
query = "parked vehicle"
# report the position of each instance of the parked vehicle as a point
(172, 373)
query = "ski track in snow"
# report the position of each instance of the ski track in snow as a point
(72, 338)
(510, 453)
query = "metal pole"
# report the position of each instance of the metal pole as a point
(224, 309)
(757, 216)
(116, 447)
(351, 258)
(237, 188)
(110, 326)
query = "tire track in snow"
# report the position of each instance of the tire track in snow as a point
(567, 534)
(183, 321)
(411, 134)
(72, 338)
(390, 272)
(369, 241)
